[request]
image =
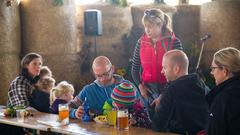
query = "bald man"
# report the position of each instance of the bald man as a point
(182, 108)
(99, 91)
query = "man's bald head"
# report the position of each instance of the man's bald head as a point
(101, 61)
(177, 58)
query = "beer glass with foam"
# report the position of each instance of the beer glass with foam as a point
(122, 119)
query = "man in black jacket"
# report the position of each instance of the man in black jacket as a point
(182, 107)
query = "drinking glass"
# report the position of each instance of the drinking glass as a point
(20, 115)
(112, 117)
(122, 119)
(63, 114)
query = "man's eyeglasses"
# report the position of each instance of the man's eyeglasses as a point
(106, 74)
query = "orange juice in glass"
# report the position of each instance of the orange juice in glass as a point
(63, 114)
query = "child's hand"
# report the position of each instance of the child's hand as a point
(132, 122)
(79, 112)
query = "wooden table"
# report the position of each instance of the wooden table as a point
(75, 126)
(30, 121)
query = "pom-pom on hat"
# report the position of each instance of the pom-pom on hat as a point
(124, 95)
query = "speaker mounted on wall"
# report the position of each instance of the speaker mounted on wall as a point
(93, 22)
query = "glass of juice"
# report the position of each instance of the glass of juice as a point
(63, 114)
(112, 117)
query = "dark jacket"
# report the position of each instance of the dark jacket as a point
(183, 108)
(40, 101)
(224, 101)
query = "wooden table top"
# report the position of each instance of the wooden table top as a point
(76, 127)
(47, 122)
(30, 121)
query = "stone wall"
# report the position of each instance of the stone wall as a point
(9, 46)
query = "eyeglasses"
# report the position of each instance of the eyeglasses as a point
(106, 74)
(213, 68)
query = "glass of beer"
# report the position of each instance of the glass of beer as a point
(122, 119)
(63, 114)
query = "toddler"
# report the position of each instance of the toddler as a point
(61, 94)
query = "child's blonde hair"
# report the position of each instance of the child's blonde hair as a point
(62, 88)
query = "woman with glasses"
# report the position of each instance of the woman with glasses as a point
(224, 99)
(152, 45)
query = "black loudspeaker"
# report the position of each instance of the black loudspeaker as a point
(93, 22)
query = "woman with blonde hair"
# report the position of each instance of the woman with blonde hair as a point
(152, 45)
(224, 99)
(61, 94)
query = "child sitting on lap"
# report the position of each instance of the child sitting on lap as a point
(61, 94)
(40, 96)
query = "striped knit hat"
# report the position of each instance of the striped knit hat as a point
(124, 95)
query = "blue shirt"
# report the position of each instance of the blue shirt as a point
(96, 95)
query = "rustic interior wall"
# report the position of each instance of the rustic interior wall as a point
(186, 25)
(9, 46)
(113, 43)
(222, 20)
(50, 29)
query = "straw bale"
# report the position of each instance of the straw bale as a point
(9, 46)
(9, 28)
(48, 28)
(64, 67)
(186, 24)
(113, 43)
(222, 20)
(9, 70)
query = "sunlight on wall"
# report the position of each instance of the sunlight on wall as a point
(198, 2)
(136, 2)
